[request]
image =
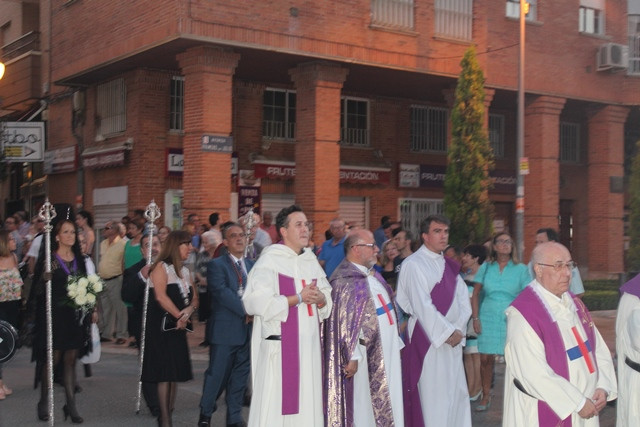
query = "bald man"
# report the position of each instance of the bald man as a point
(559, 369)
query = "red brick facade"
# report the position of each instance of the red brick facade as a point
(230, 52)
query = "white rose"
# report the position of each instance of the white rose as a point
(81, 299)
(82, 291)
(72, 292)
(97, 287)
(93, 278)
(91, 299)
(83, 282)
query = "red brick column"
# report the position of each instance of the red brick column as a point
(208, 78)
(605, 207)
(542, 185)
(317, 184)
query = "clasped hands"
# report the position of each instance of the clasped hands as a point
(594, 405)
(455, 338)
(185, 315)
(312, 295)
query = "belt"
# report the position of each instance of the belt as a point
(274, 338)
(111, 278)
(633, 365)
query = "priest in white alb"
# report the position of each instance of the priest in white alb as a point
(289, 295)
(559, 370)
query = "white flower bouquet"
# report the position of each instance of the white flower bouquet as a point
(83, 291)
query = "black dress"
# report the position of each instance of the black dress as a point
(166, 353)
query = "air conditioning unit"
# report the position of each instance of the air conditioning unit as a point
(612, 56)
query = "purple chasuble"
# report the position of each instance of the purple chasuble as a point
(534, 311)
(290, 351)
(415, 350)
(632, 287)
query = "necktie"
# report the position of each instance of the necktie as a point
(244, 275)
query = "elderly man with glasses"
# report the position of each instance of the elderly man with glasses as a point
(559, 369)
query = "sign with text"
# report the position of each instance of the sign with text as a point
(22, 141)
(248, 197)
(217, 143)
(175, 162)
(432, 176)
(348, 174)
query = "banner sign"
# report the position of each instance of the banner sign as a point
(22, 141)
(432, 176)
(348, 174)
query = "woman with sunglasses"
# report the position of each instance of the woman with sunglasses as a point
(172, 301)
(500, 281)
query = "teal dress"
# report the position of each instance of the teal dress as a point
(499, 289)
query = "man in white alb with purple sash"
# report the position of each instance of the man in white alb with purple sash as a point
(289, 296)
(628, 351)
(559, 369)
(432, 292)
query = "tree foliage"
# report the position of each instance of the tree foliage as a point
(633, 254)
(466, 185)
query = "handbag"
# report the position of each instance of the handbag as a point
(94, 355)
(170, 323)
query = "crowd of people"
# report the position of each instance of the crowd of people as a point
(370, 328)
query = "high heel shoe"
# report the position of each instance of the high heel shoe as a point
(476, 397)
(485, 407)
(43, 412)
(76, 419)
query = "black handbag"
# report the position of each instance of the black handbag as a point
(170, 323)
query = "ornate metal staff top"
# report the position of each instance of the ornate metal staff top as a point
(152, 214)
(47, 213)
(249, 223)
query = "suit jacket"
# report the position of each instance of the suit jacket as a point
(228, 318)
(132, 286)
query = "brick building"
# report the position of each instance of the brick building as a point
(341, 106)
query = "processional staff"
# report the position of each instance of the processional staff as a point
(47, 213)
(249, 223)
(152, 214)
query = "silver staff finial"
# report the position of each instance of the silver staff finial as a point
(152, 214)
(47, 213)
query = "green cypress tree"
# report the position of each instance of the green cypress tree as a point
(466, 185)
(633, 253)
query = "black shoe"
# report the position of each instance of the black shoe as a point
(43, 412)
(204, 343)
(87, 370)
(155, 412)
(238, 424)
(76, 419)
(204, 421)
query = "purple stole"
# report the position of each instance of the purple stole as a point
(290, 351)
(528, 303)
(632, 287)
(416, 348)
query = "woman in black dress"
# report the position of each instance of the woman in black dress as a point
(70, 327)
(166, 355)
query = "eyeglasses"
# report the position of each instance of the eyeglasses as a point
(369, 245)
(503, 242)
(569, 265)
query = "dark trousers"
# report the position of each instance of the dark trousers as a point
(229, 367)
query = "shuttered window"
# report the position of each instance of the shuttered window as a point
(111, 102)
(454, 19)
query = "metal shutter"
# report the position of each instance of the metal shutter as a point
(355, 210)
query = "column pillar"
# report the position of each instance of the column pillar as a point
(604, 189)
(542, 185)
(317, 153)
(208, 94)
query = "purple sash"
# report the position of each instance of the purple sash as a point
(415, 350)
(290, 351)
(533, 310)
(632, 287)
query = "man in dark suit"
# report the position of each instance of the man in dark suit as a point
(230, 332)
(134, 282)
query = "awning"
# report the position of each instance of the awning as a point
(355, 174)
(106, 155)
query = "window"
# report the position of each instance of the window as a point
(429, 128)
(591, 20)
(413, 211)
(392, 13)
(354, 122)
(569, 142)
(176, 107)
(496, 134)
(279, 114)
(111, 105)
(513, 10)
(454, 18)
(634, 45)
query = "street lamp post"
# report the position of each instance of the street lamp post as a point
(524, 8)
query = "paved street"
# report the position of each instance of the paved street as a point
(108, 397)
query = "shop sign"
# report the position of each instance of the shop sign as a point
(348, 174)
(248, 198)
(22, 141)
(175, 162)
(104, 159)
(432, 176)
(61, 160)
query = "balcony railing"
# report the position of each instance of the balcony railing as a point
(27, 43)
